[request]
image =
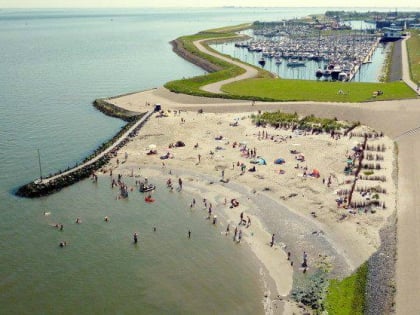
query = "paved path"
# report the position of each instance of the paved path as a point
(250, 72)
(395, 71)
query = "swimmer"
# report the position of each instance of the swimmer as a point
(63, 243)
(106, 219)
(78, 221)
(47, 213)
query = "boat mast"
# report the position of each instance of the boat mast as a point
(39, 162)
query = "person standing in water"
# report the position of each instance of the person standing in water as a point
(227, 229)
(189, 234)
(135, 235)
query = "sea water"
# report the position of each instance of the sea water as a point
(53, 64)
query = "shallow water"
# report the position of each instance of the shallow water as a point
(101, 268)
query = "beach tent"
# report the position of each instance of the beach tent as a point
(261, 161)
(315, 173)
(279, 161)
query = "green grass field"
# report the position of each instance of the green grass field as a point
(307, 90)
(413, 48)
(347, 297)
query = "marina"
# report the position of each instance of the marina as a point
(303, 51)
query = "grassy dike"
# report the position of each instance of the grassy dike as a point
(413, 49)
(265, 87)
(219, 69)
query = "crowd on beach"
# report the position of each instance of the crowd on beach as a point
(247, 161)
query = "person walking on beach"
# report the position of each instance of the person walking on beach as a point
(272, 240)
(249, 222)
(199, 159)
(241, 216)
(180, 183)
(305, 260)
(223, 174)
(227, 229)
(239, 236)
(235, 233)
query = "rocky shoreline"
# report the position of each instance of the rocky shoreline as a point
(179, 49)
(114, 111)
(39, 188)
(381, 285)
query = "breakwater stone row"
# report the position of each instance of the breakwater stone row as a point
(381, 285)
(56, 182)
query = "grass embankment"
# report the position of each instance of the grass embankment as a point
(307, 90)
(227, 70)
(348, 295)
(413, 49)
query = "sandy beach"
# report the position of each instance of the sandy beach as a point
(302, 210)
(280, 199)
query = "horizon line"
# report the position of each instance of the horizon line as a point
(221, 7)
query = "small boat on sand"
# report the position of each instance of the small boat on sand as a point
(146, 187)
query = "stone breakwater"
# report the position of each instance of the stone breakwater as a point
(114, 111)
(101, 156)
(179, 49)
(381, 285)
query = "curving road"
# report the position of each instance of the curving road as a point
(250, 72)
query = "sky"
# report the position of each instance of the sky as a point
(204, 3)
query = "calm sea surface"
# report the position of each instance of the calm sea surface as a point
(53, 64)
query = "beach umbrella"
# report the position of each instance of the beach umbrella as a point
(261, 161)
(279, 161)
